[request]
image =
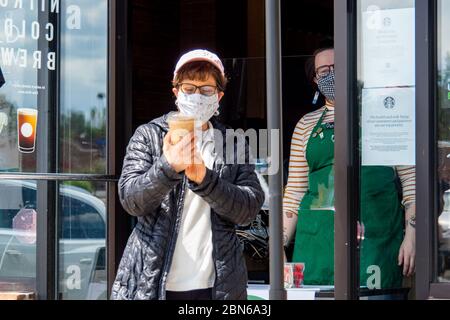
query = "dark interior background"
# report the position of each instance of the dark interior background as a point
(161, 31)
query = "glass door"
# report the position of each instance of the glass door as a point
(54, 174)
(443, 144)
(433, 98)
(385, 103)
(436, 265)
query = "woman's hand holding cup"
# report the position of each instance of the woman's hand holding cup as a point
(179, 147)
(196, 172)
(181, 154)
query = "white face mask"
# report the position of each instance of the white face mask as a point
(199, 106)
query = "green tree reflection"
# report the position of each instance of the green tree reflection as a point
(83, 140)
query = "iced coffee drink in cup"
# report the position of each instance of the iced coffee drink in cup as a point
(26, 129)
(179, 126)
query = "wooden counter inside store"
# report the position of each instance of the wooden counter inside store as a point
(17, 296)
(16, 291)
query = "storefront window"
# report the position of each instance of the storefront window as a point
(53, 119)
(18, 221)
(82, 245)
(53, 55)
(21, 60)
(386, 98)
(83, 101)
(443, 159)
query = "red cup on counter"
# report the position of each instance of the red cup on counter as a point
(294, 275)
(299, 274)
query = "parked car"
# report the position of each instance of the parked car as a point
(81, 245)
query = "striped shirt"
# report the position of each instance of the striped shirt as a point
(297, 184)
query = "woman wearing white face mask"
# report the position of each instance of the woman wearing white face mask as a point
(184, 246)
(199, 83)
(199, 87)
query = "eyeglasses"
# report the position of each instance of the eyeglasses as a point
(324, 71)
(189, 88)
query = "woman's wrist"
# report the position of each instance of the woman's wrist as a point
(285, 240)
(410, 231)
(411, 222)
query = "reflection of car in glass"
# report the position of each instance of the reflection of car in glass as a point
(82, 257)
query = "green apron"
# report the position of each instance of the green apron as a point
(381, 214)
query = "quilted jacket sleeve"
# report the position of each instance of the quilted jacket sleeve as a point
(237, 202)
(143, 183)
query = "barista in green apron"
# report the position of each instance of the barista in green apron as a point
(381, 214)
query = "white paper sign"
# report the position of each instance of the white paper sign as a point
(388, 44)
(388, 127)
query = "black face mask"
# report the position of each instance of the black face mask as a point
(327, 86)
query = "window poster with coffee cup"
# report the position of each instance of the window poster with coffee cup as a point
(28, 59)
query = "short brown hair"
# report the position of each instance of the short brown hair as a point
(200, 70)
(320, 50)
(310, 68)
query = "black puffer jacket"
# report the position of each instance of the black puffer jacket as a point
(151, 190)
